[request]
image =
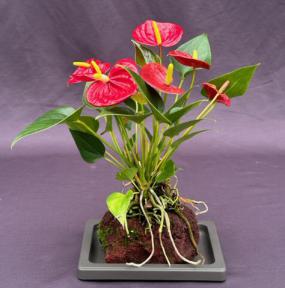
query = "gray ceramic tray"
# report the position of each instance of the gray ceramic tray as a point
(93, 267)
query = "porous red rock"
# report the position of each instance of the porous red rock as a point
(121, 249)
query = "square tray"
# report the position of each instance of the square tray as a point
(92, 265)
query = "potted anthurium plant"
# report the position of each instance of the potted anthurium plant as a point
(149, 221)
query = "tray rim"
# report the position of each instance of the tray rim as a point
(217, 269)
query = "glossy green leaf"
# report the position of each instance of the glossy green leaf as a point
(179, 141)
(109, 125)
(84, 96)
(127, 174)
(154, 100)
(144, 55)
(123, 112)
(131, 103)
(168, 170)
(175, 130)
(84, 124)
(177, 112)
(118, 204)
(199, 43)
(90, 147)
(239, 80)
(48, 120)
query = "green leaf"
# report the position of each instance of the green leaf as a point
(167, 171)
(132, 140)
(127, 174)
(176, 113)
(90, 147)
(199, 43)
(84, 96)
(144, 55)
(48, 120)
(123, 112)
(81, 121)
(109, 125)
(181, 100)
(179, 141)
(175, 130)
(154, 100)
(131, 103)
(118, 204)
(149, 135)
(239, 80)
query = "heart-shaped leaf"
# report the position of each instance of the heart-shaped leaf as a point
(239, 80)
(201, 44)
(168, 170)
(48, 120)
(90, 147)
(84, 124)
(127, 174)
(144, 55)
(118, 204)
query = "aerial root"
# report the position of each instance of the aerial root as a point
(168, 226)
(151, 235)
(195, 204)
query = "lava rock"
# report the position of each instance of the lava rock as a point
(119, 248)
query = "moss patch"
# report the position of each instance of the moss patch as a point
(102, 234)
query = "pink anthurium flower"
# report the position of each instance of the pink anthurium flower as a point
(83, 68)
(112, 88)
(189, 60)
(160, 78)
(211, 91)
(154, 33)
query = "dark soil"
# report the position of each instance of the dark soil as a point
(121, 249)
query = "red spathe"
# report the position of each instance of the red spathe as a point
(187, 59)
(170, 33)
(154, 74)
(211, 91)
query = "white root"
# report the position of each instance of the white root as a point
(151, 235)
(163, 250)
(198, 210)
(162, 211)
(167, 221)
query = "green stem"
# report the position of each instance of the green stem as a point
(180, 85)
(160, 54)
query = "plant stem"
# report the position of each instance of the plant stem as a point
(169, 152)
(207, 108)
(160, 54)
(180, 85)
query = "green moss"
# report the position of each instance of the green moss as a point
(103, 234)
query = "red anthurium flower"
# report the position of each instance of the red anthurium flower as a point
(108, 89)
(154, 33)
(211, 91)
(189, 60)
(79, 75)
(160, 78)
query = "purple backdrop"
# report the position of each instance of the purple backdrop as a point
(47, 192)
